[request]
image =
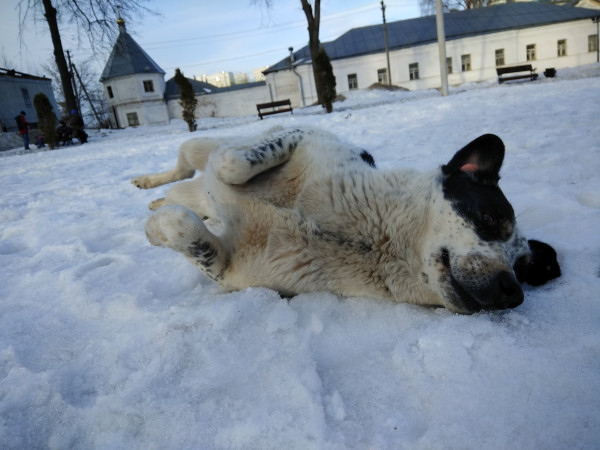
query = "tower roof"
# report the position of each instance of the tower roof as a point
(127, 57)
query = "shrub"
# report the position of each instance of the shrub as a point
(327, 78)
(46, 119)
(187, 100)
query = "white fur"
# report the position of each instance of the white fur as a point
(300, 211)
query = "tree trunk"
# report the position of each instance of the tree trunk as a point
(59, 55)
(314, 44)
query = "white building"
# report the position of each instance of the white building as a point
(477, 42)
(134, 84)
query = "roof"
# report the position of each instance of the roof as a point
(128, 58)
(457, 25)
(201, 88)
(12, 73)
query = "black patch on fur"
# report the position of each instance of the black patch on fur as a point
(362, 246)
(368, 158)
(204, 252)
(256, 156)
(538, 267)
(483, 205)
(474, 191)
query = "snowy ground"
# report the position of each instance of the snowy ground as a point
(107, 342)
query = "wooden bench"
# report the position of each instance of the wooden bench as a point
(501, 71)
(274, 107)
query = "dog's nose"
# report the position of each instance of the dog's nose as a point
(508, 292)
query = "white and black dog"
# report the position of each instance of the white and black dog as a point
(301, 211)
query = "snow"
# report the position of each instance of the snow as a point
(107, 342)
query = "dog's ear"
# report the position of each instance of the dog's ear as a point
(482, 158)
(539, 266)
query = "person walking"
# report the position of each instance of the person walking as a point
(23, 127)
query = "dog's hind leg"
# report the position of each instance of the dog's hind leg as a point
(238, 165)
(182, 230)
(190, 194)
(192, 156)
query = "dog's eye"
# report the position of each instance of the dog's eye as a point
(489, 219)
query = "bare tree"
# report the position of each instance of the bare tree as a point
(428, 6)
(92, 20)
(88, 81)
(322, 78)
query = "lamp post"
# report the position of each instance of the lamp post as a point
(439, 20)
(596, 20)
(387, 49)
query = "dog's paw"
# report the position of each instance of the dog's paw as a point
(158, 203)
(174, 226)
(233, 168)
(143, 182)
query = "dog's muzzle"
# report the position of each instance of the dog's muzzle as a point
(496, 290)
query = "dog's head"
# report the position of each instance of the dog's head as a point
(476, 246)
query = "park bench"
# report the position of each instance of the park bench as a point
(501, 71)
(274, 108)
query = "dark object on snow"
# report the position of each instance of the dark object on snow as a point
(276, 108)
(540, 266)
(550, 72)
(77, 127)
(516, 69)
(64, 134)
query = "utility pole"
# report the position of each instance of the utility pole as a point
(387, 48)
(72, 78)
(439, 20)
(86, 95)
(596, 20)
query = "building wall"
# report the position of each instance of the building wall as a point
(13, 100)
(481, 49)
(129, 96)
(233, 103)
(286, 84)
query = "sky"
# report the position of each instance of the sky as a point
(202, 37)
(107, 342)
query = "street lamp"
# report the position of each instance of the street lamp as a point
(596, 20)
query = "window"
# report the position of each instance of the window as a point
(148, 86)
(500, 57)
(531, 52)
(561, 47)
(465, 61)
(132, 119)
(593, 43)
(352, 81)
(382, 76)
(26, 98)
(413, 71)
(110, 92)
(449, 64)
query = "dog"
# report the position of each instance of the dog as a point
(299, 211)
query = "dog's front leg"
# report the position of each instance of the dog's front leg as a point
(182, 230)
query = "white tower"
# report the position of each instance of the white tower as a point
(134, 84)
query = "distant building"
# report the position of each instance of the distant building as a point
(134, 84)
(241, 78)
(17, 90)
(477, 41)
(258, 74)
(220, 79)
